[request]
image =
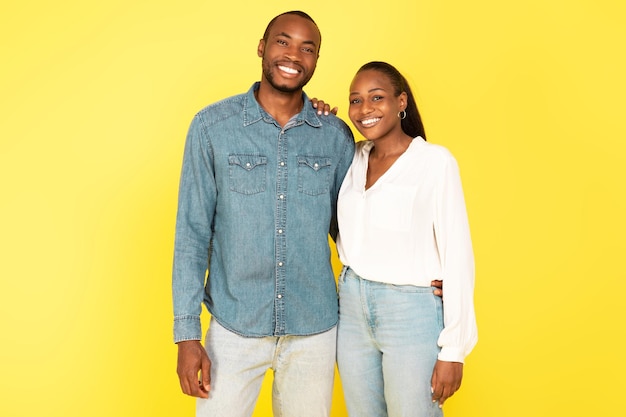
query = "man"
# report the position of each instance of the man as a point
(257, 199)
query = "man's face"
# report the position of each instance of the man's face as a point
(290, 53)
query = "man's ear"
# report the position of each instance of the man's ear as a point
(260, 48)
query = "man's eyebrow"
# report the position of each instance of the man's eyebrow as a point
(286, 35)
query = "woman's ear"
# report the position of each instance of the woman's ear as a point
(403, 99)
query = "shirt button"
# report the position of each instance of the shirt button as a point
(280, 296)
(248, 165)
(282, 197)
(280, 231)
(280, 264)
(316, 165)
(282, 164)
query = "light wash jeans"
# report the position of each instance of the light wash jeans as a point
(304, 369)
(387, 347)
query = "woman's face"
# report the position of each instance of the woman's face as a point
(373, 106)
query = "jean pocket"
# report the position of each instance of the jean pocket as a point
(314, 174)
(247, 173)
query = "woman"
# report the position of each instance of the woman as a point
(402, 223)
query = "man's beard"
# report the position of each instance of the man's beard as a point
(269, 76)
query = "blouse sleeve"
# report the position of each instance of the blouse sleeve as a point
(454, 244)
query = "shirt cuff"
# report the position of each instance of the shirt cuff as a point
(187, 328)
(451, 354)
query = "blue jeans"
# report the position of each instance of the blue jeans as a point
(304, 370)
(387, 347)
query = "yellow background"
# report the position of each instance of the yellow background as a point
(95, 102)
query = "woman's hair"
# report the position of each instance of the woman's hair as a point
(412, 123)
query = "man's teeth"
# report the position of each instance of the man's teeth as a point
(368, 122)
(288, 70)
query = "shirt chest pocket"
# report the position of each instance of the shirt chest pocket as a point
(247, 173)
(314, 174)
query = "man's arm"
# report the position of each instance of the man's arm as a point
(325, 108)
(196, 205)
(438, 284)
(343, 164)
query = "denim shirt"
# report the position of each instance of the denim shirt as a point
(256, 203)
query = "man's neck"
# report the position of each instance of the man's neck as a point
(280, 105)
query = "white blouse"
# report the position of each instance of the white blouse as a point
(411, 227)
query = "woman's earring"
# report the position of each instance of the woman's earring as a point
(402, 114)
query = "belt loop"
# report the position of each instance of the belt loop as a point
(343, 273)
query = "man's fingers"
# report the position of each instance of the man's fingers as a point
(205, 382)
(438, 285)
(190, 385)
(193, 360)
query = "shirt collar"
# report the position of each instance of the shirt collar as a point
(253, 112)
(369, 144)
